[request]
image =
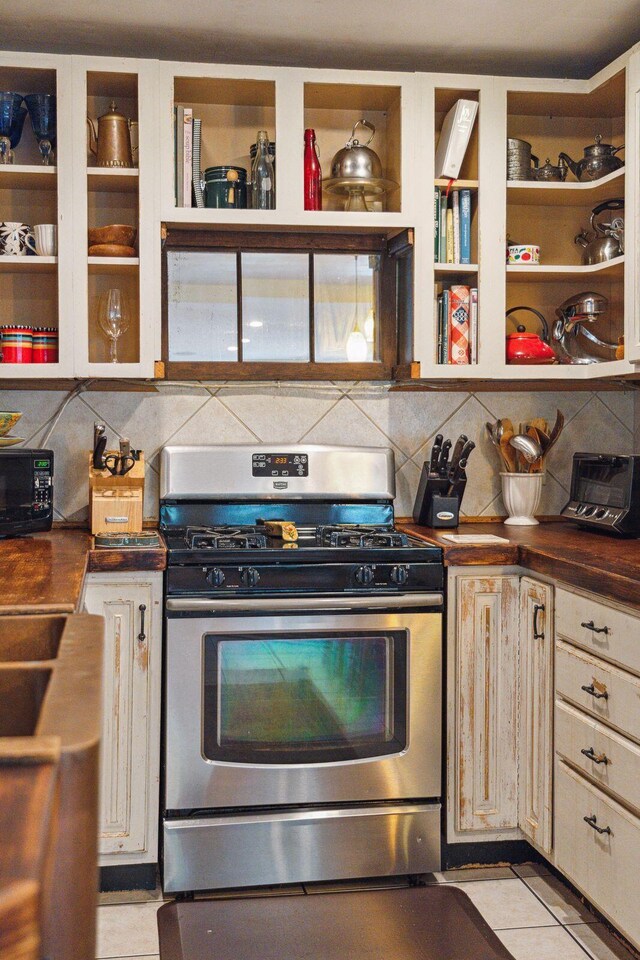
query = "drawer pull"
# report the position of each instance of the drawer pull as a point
(593, 822)
(596, 757)
(598, 694)
(142, 636)
(590, 625)
(537, 608)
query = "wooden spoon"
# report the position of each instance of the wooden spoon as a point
(508, 453)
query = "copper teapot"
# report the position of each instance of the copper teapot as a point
(111, 145)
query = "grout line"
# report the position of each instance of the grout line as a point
(343, 396)
(238, 418)
(440, 428)
(575, 940)
(531, 890)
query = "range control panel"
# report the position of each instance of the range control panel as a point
(280, 465)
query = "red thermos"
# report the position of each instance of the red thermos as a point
(312, 173)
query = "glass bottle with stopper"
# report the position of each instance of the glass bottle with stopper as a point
(263, 183)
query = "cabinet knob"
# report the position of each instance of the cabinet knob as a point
(142, 635)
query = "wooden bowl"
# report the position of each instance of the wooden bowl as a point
(8, 421)
(111, 250)
(119, 233)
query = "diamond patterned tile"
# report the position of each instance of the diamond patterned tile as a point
(621, 405)
(524, 406)
(36, 406)
(593, 429)
(280, 417)
(407, 478)
(345, 423)
(409, 419)
(213, 423)
(149, 420)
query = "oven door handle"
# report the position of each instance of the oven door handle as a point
(297, 604)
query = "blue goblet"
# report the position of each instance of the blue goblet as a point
(42, 110)
(12, 116)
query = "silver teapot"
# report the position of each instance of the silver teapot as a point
(357, 161)
(605, 240)
(599, 160)
(550, 173)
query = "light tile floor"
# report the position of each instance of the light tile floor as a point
(535, 916)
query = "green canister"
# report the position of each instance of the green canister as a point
(226, 187)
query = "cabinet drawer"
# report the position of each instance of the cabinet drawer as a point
(614, 696)
(618, 769)
(603, 865)
(610, 633)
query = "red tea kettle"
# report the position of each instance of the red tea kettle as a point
(523, 347)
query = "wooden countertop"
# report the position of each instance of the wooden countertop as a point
(605, 565)
(44, 572)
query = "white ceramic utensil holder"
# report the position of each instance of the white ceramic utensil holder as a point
(521, 493)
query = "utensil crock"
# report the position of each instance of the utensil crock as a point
(521, 493)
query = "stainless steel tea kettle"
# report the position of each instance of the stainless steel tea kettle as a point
(599, 160)
(357, 161)
(607, 239)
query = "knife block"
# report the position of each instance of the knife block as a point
(116, 503)
(438, 500)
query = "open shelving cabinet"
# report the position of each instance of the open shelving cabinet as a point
(117, 195)
(36, 291)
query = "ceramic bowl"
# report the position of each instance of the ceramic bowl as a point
(523, 253)
(8, 421)
(119, 233)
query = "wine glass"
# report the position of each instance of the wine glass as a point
(12, 116)
(42, 110)
(114, 320)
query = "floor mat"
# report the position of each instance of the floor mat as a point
(416, 923)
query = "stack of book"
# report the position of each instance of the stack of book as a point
(452, 226)
(188, 186)
(456, 310)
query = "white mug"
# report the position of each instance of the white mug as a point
(46, 239)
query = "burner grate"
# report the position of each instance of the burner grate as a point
(224, 538)
(364, 537)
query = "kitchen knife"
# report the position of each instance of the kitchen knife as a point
(443, 462)
(457, 452)
(125, 447)
(435, 453)
(99, 444)
(468, 446)
(455, 477)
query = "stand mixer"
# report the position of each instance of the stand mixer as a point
(572, 314)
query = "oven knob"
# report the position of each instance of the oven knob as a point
(600, 512)
(400, 575)
(250, 576)
(364, 575)
(215, 577)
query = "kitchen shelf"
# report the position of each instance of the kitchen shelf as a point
(456, 184)
(27, 176)
(447, 268)
(113, 180)
(545, 273)
(28, 264)
(99, 265)
(566, 194)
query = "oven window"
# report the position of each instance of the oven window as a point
(299, 699)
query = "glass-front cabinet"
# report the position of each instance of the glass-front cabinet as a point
(36, 228)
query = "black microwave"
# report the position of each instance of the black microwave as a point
(26, 491)
(605, 493)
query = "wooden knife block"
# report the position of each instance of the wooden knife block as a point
(116, 503)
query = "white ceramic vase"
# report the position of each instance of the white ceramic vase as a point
(521, 493)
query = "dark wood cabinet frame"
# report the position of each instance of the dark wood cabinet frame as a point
(395, 304)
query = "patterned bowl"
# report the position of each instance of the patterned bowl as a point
(8, 421)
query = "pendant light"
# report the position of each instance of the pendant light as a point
(357, 348)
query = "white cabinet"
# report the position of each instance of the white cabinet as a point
(483, 720)
(131, 604)
(535, 762)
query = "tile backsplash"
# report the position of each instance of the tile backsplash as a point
(355, 414)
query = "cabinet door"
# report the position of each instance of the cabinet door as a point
(485, 744)
(131, 727)
(632, 214)
(536, 711)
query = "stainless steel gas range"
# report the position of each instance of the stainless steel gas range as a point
(303, 684)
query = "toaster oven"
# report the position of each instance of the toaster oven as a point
(605, 493)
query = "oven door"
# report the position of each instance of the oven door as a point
(276, 707)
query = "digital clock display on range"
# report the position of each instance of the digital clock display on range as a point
(280, 465)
